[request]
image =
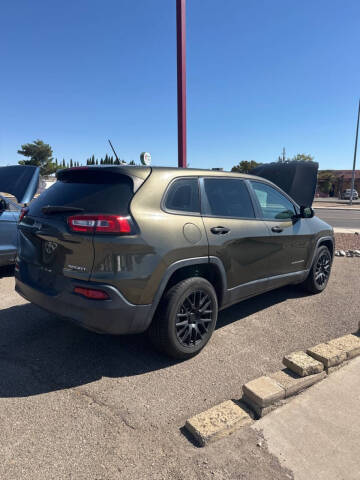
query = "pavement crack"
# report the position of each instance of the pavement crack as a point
(115, 412)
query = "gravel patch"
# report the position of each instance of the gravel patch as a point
(347, 241)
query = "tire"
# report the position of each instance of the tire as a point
(185, 319)
(320, 271)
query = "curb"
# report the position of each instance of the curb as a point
(266, 393)
(351, 231)
(356, 209)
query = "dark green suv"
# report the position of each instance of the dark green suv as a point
(127, 249)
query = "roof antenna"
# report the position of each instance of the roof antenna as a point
(113, 149)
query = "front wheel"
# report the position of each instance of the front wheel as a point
(185, 319)
(320, 271)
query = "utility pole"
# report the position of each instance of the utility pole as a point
(181, 80)
(355, 151)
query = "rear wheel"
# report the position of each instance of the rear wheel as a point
(320, 271)
(185, 318)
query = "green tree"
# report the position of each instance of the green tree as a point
(326, 178)
(302, 157)
(132, 162)
(299, 157)
(40, 155)
(245, 166)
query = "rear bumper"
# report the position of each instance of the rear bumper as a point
(7, 258)
(115, 316)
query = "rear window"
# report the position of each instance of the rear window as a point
(92, 190)
(183, 196)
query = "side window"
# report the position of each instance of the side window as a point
(228, 197)
(273, 204)
(183, 196)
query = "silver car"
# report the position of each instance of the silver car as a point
(21, 182)
(346, 195)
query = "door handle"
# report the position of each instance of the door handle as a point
(277, 229)
(219, 230)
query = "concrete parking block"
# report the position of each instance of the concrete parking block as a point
(327, 354)
(302, 364)
(293, 383)
(261, 411)
(217, 422)
(263, 391)
(350, 344)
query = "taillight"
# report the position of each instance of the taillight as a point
(23, 212)
(91, 293)
(99, 224)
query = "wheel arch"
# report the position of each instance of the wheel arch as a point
(210, 268)
(327, 242)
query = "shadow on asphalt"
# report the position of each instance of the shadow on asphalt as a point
(40, 353)
(6, 271)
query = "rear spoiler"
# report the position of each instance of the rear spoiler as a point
(298, 179)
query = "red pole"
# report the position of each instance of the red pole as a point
(181, 80)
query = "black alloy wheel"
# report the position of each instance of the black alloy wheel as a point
(322, 270)
(319, 273)
(194, 317)
(186, 318)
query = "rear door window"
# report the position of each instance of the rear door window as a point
(227, 197)
(93, 190)
(183, 196)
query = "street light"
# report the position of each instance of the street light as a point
(181, 80)
(354, 164)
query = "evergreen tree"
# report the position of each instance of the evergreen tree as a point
(40, 155)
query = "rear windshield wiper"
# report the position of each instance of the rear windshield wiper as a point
(60, 208)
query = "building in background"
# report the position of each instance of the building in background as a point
(331, 183)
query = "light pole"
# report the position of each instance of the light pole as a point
(181, 80)
(355, 150)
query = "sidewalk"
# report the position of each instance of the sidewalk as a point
(335, 206)
(317, 435)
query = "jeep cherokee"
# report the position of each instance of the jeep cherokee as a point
(124, 249)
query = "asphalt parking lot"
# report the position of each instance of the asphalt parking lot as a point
(76, 405)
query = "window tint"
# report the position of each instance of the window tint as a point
(96, 192)
(273, 204)
(228, 197)
(183, 196)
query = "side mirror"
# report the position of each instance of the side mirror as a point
(306, 212)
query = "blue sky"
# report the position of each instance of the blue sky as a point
(261, 75)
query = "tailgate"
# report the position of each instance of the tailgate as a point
(49, 250)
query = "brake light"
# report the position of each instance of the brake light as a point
(99, 224)
(23, 212)
(91, 293)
